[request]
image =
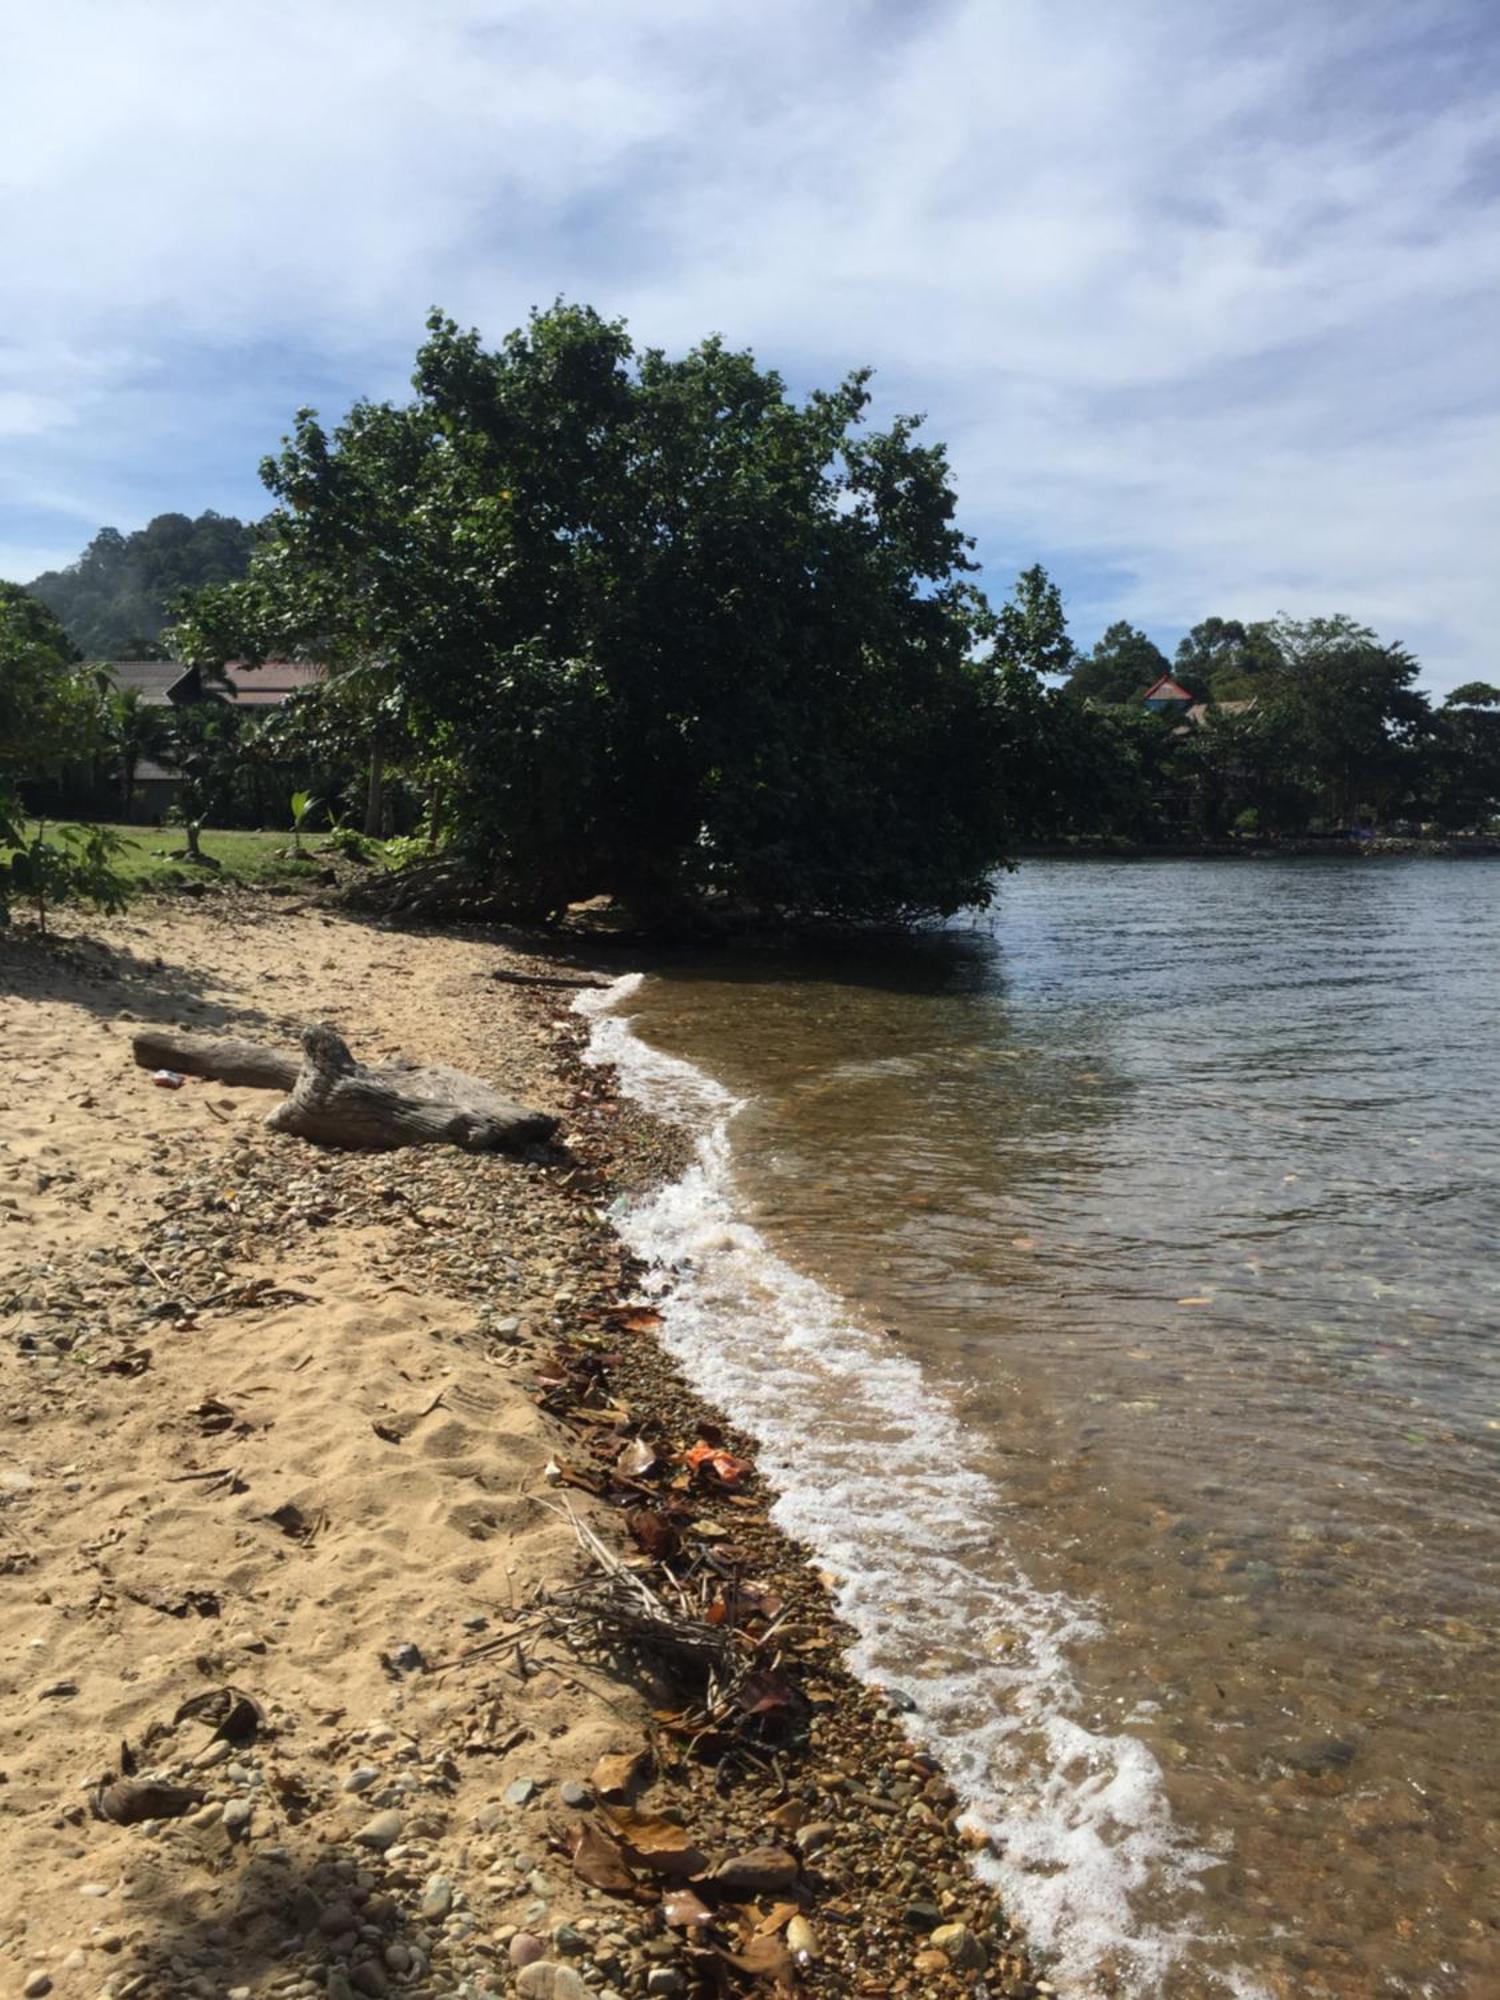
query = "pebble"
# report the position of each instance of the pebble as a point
(526, 1948)
(665, 1979)
(407, 1658)
(383, 1831)
(521, 1792)
(546, 1980)
(810, 1838)
(570, 1941)
(237, 1815)
(573, 1794)
(361, 1778)
(38, 1984)
(437, 1898)
(960, 1946)
(215, 1751)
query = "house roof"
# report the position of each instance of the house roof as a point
(266, 686)
(1164, 688)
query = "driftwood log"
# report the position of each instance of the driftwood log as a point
(336, 1101)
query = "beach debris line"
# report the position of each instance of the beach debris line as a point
(336, 1101)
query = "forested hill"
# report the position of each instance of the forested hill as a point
(113, 601)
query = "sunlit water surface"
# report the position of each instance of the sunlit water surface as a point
(1112, 1279)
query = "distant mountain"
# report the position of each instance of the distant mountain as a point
(113, 601)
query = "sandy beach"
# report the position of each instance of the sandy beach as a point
(299, 1694)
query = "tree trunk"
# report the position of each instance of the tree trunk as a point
(375, 795)
(335, 1101)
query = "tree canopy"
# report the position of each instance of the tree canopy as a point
(116, 599)
(658, 628)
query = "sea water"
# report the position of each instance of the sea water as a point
(1109, 1280)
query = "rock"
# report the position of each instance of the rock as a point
(383, 1831)
(38, 1984)
(361, 1778)
(547, 1980)
(570, 1941)
(215, 1751)
(801, 1940)
(573, 1794)
(818, 1834)
(1317, 1759)
(369, 1977)
(526, 1948)
(338, 1987)
(760, 1871)
(960, 1947)
(928, 1960)
(437, 1899)
(521, 1792)
(407, 1658)
(665, 1979)
(237, 1816)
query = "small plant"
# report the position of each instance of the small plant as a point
(73, 864)
(351, 843)
(403, 849)
(304, 805)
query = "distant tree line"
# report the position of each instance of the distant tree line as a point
(116, 600)
(1301, 726)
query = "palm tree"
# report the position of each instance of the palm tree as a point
(137, 730)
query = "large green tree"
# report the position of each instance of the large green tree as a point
(661, 629)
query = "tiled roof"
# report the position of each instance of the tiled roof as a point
(253, 687)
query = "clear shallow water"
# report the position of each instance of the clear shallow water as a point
(1113, 1283)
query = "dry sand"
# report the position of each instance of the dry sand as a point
(266, 1419)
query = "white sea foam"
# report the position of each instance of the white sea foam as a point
(875, 1475)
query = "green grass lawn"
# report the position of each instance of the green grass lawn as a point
(150, 855)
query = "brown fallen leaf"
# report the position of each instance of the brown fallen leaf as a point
(600, 1861)
(765, 1958)
(683, 1911)
(614, 1776)
(653, 1533)
(656, 1844)
(128, 1801)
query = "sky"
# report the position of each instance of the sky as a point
(1202, 295)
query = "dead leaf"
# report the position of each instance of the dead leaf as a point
(614, 1776)
(683, 1911)
(657, 1844)
(654, 1533)
(636, 1460)
(230, 1712)
(600, 1862)
(128, 1801)
(765, 1958)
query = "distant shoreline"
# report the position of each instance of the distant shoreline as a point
(1452, 847)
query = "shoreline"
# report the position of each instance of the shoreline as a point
(236, 1899)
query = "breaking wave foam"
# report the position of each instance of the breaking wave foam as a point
(874, 1473)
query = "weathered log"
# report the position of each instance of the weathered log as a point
(336, 1101)
(247, 1065)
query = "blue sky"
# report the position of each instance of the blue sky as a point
(1204, 298)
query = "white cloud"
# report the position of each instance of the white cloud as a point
(1202, 297)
